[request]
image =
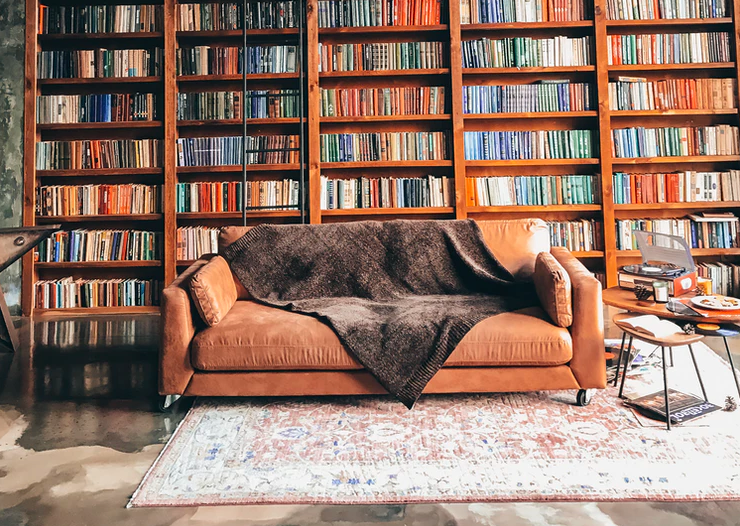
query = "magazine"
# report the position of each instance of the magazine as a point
(684, 407)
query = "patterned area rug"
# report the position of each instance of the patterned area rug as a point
(508, 447)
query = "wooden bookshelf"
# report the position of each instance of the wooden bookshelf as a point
(599, 119)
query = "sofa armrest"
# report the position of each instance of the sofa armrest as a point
(178, 324)
(589, 362)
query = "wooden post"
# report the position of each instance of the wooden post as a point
(456, 84)
(314, 108)
(169, 255)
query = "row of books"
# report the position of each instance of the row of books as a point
(720, 231)
(375, 13)
(532, 190)
(104, 153)
(220, 105)
(668, 142)
(669, 48)
(725, 276)
(228, 196)
(506, 11)
(676, 187)
(538, 144)
(191, 242)
(65, 20)
(71, 293)
(72, 332)
(635, 93)
(98, 199)
(383, 146)
(583, 235)
(217, 60)
(99, 63)
(524, 52)
(387, 192)
(101, 245)
(103, 107)
(220, 151)
(224, 16)
(544, 96)
(408, 100)
(665, 9)
(381, 56)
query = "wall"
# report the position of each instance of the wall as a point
(12, 30)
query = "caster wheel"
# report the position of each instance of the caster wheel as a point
(166, 403)
(584, 396)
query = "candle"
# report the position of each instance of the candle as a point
(660, 291)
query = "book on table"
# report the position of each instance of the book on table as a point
(683, 406)
(651, 325)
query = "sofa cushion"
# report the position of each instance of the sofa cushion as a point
(553, 289)
(213, 291)
(257, 337)
(226, 236)
(516, 243)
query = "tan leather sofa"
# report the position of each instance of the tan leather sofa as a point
(259, 351)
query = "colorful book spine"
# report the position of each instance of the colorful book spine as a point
(98, 199)
(215, 60)
(527, 52)
(527, 98)
(381, 56)
(99, 63)
(670, 142)
(386, 192)
(225, 105)
(676, 187)
(507, 11)
(101, 245)
(96, 19)
(583, 235)
(532, 190)
(725, 276)
(71, 293)
(116, 107)
(383, 146)
(192, 242)
(665, 9)
(227, 151)
(229, 16)
(99, 154)
(634, 93)
(716, 233)
(669, 48)
(229, 196)
(519, 145)
(378, 13)
(359, 102)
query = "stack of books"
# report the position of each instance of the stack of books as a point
(706, 230)
(99, 63)
(229, 196)
(71, 293)
(527, 52)
(577, 236)
(637, 93)
(558, 95)
(217, 60)
(225, 105)
(223, 151)
(507, 11)
(669, 48)
(191, 242)
(517, 145)
(383, 146)
(400, 192)
(106, 153)
(101, 245)
(381, 56)
(225, 16)
(65, 20)
(532, 190)
(358, 102)
(665, 9)
(669, 142)
(111, 107)
(676, 187)
(98, 199)
(375, 13)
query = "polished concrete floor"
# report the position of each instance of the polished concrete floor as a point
(78, 432)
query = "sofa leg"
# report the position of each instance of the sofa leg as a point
(584, 396)
(165, 403)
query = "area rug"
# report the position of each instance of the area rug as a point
(483, 448)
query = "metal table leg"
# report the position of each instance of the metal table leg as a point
(698, 374)
(627, 355)
(732, 365)
(665, 392)
(619, 361)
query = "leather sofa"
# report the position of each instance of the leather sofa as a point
(257, 350)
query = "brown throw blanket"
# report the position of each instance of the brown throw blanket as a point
(399, 294)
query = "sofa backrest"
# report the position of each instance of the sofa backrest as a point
(515, 242)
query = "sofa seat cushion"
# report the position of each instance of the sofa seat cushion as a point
(254, 337)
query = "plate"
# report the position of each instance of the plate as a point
(716, 302)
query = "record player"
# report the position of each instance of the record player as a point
(664, 258)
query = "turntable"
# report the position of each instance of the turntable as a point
(664, 258)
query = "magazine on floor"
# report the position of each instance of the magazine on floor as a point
(684, 406)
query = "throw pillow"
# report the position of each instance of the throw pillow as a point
(553, 289)
(213, 291)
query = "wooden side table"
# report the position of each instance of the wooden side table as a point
(674, 340)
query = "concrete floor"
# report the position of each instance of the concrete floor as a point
(77, 433)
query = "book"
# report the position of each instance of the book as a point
(358, 102)
(98, 154)
(721, 233)
(653, 326)
(228, 105)
(377, 13)
(537, 144)
(112, 107)
(91, 19)
(669, 48)
(222, 60)
(532, 190)
(99, 63)
(683, 406)
(630, 93)
(665, 9)
(98, 199)
(100, 245)
(504, 11)
(225, 16)
(72, 293)
(722, 139)
(527, 52)
(582, 235)
(387, 192)
(725, 276)
(381, 56)
(228, 151)
(192, 242)
(230, 196)
(526, 98)
(676, 187)
(383, 146)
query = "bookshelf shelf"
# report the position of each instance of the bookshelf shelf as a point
(384, 164)
(103, 81)
(236, 33)
(74, 37)
(237, 168)
(526, 26)
(388, 211)
(588, 253)
(99, 172)
(529, 115)
(89, 311)
(185, 262)
(237, 122)
(239, 77)
(385, 73)
(677, 206)
(665, 113)
(383, 30)
(102, 126)
(238, 215)
(533, 209)
(669, 23)
(386, 118)
(97, 218)
(681, 159)
(534, 162)
(671, 67)
(533, 70)
(699, 252)
(96, 264)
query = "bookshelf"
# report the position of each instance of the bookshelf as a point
(381, 113)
